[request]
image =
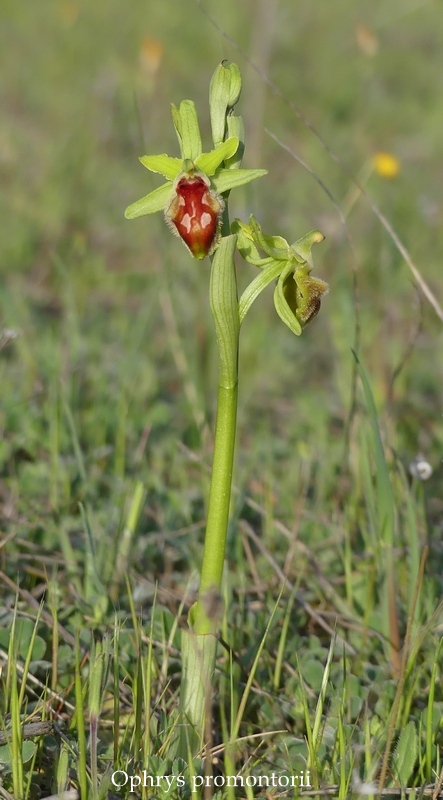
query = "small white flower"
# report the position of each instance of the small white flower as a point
(420, 468)
(363, 787)
(7, 335)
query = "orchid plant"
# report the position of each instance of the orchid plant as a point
(194, 201)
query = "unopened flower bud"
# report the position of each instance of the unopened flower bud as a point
(224, 92)
(235, 87)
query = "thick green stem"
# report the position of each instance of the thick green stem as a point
(218, 511)
(198, 663)
(224, 306)
(199, 644)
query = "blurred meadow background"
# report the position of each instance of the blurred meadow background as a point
(108, 388)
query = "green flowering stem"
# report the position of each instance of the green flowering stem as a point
(224, 306)
(218, 511)
(199, 644)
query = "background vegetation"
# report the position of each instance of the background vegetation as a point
(107, 393)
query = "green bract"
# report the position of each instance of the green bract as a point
(297, 296)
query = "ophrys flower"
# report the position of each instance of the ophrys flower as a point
(192, 198)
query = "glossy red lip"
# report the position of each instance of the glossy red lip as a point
(194, 214)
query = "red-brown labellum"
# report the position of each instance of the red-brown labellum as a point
(303, 296)
(194, 213)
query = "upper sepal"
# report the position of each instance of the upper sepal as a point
(302, 247)
(187, 129)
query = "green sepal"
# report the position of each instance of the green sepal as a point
(163, 164)
(209, 162)
(245, 243)
(282, 306)
(229, 179)
(235, 127)
(155, 201)
(252, 235)
(270, 272)
(302, 247)
(274, 246)
(187, 129)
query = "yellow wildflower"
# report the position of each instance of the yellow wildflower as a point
(68, 12)
(151, 54)
(386, 165)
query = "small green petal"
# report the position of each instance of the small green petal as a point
(274, 246)
(155, 201)
(209, 162)
(236, 128)
(302, 247)
(231, 178)
(163, 164)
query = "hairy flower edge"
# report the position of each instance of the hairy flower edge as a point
(195, 213)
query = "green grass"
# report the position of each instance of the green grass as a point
(107, 397)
